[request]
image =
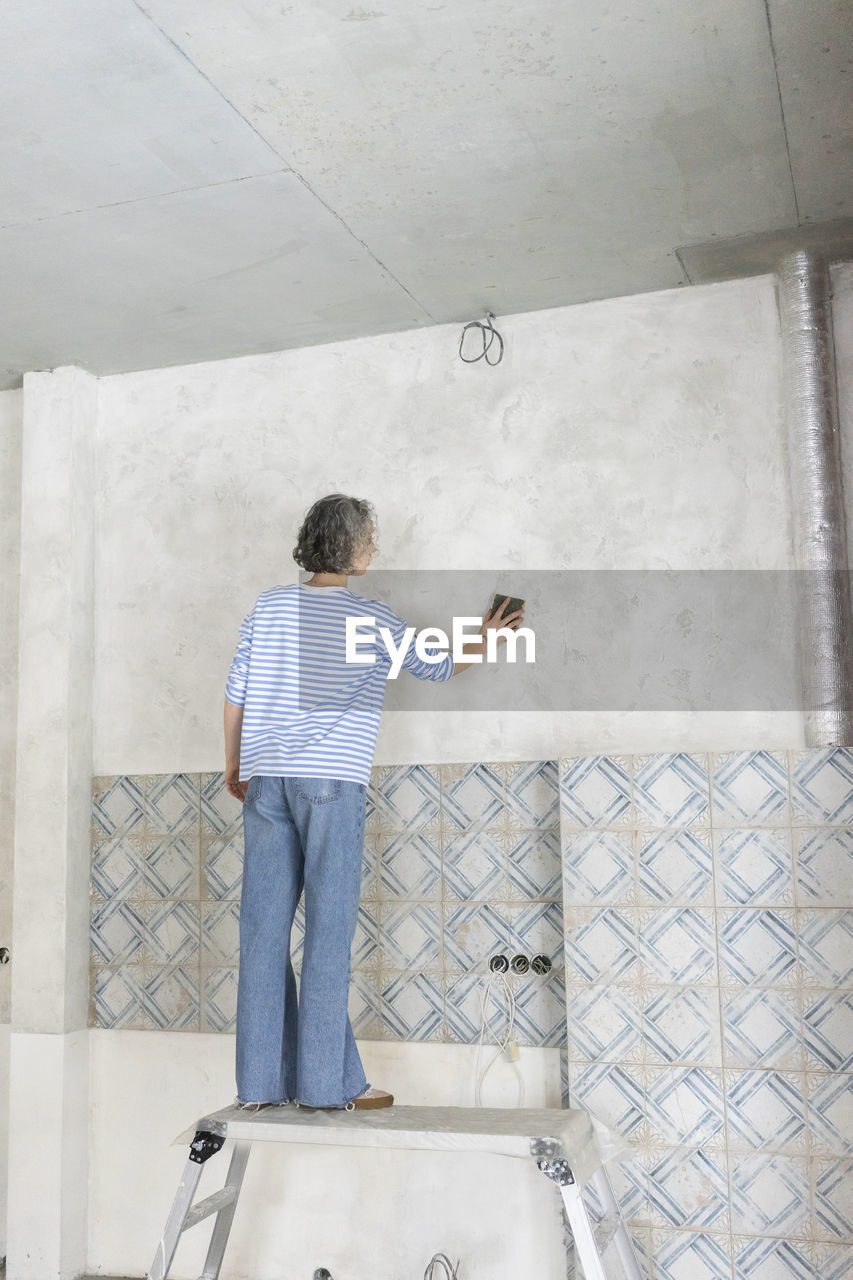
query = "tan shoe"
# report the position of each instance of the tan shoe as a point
(372, 1098)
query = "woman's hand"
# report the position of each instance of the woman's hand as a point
(493, 621)
(233, 785)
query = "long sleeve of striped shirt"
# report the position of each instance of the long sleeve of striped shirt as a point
(307, 712)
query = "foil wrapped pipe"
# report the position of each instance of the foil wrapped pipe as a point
(820, 543)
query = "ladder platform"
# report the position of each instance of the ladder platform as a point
(502, 1131)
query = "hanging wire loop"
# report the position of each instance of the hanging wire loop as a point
(488, 335)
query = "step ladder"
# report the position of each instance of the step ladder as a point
(562, 1143)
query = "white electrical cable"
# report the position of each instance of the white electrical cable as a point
(505, 1042)
(450, 1272)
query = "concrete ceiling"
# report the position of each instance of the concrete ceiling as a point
(185, 180)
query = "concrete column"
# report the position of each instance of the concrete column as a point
(48, 1127)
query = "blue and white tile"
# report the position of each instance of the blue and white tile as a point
(678, 945)
(218, 998)
(684, 1106)
(118, 805)
(681, 1025)
(671, 790)
(220, 813)
(688, 1188)
(407, 796)
(599, 868)
(472, 795)
(222, 862)
(595, 791)
(540, 1011)
(116, 866)
(828, 1030)
(768, 1258)
(220, 933)
(537, 929)
(117, 932)
(766, 1111)
(833, 1199)
(410, 935)
(474, 867)
(472, 1002)
(117, 998)
(409, 866)
(534, 865)
(762, 1027)
(758, 947)
(604, 1023)
(754, 867)
(691, 1255)
(822, 786)
(826, 946)
(749, 789)
(472, 934)
(770, 1195)
(833, 1261)
(674, 867)
(172, 932)
(170, 998)
(533, 793)
(364, 1006)
(830, 1112)
(612, 1091)
(364, 942)
(365, 952)
(824, 866)
(172, 803)
(601, 943)
(170, 866)
(412, 1005)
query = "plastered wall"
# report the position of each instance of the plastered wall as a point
(641, 432)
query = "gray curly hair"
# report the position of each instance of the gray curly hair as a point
(332, 533)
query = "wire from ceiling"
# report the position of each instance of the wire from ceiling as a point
(488, 334)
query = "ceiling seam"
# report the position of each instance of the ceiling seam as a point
(285, 162)
(155, 195)
(782, 108)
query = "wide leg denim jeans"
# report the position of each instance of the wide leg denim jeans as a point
(299, 832)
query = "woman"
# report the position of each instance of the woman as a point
(300, 732)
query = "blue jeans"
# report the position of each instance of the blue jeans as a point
(299, 832)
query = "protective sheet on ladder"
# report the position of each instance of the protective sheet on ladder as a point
(502, 1131)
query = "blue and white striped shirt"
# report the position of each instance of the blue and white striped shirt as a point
(307, 712)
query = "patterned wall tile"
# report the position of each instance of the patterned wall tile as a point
(822, 786)
(222, 865)
(220, 933)
(599, 868)
(364, 1005)
(671, 790)
(472, 795)
(534, 865)
(118, 805)
(684, 1106)
(171, 932)
(824, 866)
(540, 1010)
(766, 1111)
(689, 1188)
(833, 1261)
(674, 867)
(833, 1199)
(117, 998)
(601, 945)
(768, 1258)
(117, 932)
(532, 794)
(595, 791)
(218, 998)
(758, 948)
(537, 929)
(691, 1255)
(826, 946)
(830, 1113)
(749, 789)
(472, 933)
(170, 866)
(681, 1025)
(172, 803)
(828, 1029)
(474, 867)
(406, 797)
(412, 1004)
(770, 1195)
(409, 866)
(754, 866)
(219, 812)
(117, 866)
(678, 944)
(762, 1028)
(612, 1091)
(409, 936)
(605, 1023)
(170, 998)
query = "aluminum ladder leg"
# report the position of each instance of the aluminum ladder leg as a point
(184, 1214)
(591, 1243)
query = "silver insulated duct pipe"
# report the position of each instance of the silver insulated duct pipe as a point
(820, 544)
